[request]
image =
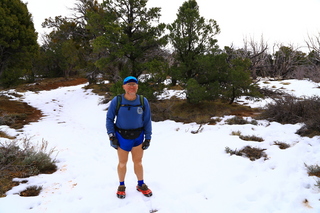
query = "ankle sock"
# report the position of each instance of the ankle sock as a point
(140, 182)
(122, 183)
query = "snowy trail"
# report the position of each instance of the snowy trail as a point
(82, 145)
(188, 173)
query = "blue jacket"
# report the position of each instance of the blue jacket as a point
(129, 117)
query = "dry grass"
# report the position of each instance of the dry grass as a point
(282, 145)
(21, 159)
(313, 170)
(250, 152)
(16, 114)
(251, 138)
(289, 109)
(240, 121)
(51, 83)
(236, 133)
(5, 135)
(31, 191)
(202, 113)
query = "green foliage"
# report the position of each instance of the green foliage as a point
(195, 92)
(237, 81)
(147, 91)
(18, 41)
(191, 36)
(11, 77)
(66, 49)
(218, 77)
(116, 88)
(131, 35)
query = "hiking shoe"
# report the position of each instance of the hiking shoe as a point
(121, 193)
(145, 190)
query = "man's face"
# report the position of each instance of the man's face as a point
(131, 87)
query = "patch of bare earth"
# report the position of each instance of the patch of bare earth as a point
(52, 83)
(16, 114)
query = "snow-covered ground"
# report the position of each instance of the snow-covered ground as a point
(188, 173)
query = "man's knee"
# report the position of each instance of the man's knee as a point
(122, 165)
(137, 161)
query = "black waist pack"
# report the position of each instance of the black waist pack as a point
(129, 133)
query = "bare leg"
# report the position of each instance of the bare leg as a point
(122, 166)
(137, 154)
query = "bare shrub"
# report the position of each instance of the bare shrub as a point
(21, 158)
(313, 170)
(251, 138)
(290, 109)
(250, 152)
(5, 135)
(312, 123)
(311, 72)
(198, 130)
(28, 157)
(287, 109)
(236, 133)
(282, 145)
(240, 121)
(318, 183)
(31, 191)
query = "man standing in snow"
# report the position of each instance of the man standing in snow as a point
(129, 129)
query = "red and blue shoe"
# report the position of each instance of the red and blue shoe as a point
(121, 193)
(145, 190)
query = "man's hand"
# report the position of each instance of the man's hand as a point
(113, 141)
(146, 144)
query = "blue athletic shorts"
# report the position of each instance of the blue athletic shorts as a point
(128, 144)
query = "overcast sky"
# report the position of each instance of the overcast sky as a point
(278, 21)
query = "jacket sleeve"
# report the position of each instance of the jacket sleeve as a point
(147, 120)
(111, 114)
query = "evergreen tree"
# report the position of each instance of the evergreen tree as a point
(221, 77)
(64, 45)
(131, 35)
(69, 43)
(191, 36)
(18, 41)
(236, 82)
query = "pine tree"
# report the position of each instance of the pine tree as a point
(18, 41)
(131, 33)
(191, 36)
